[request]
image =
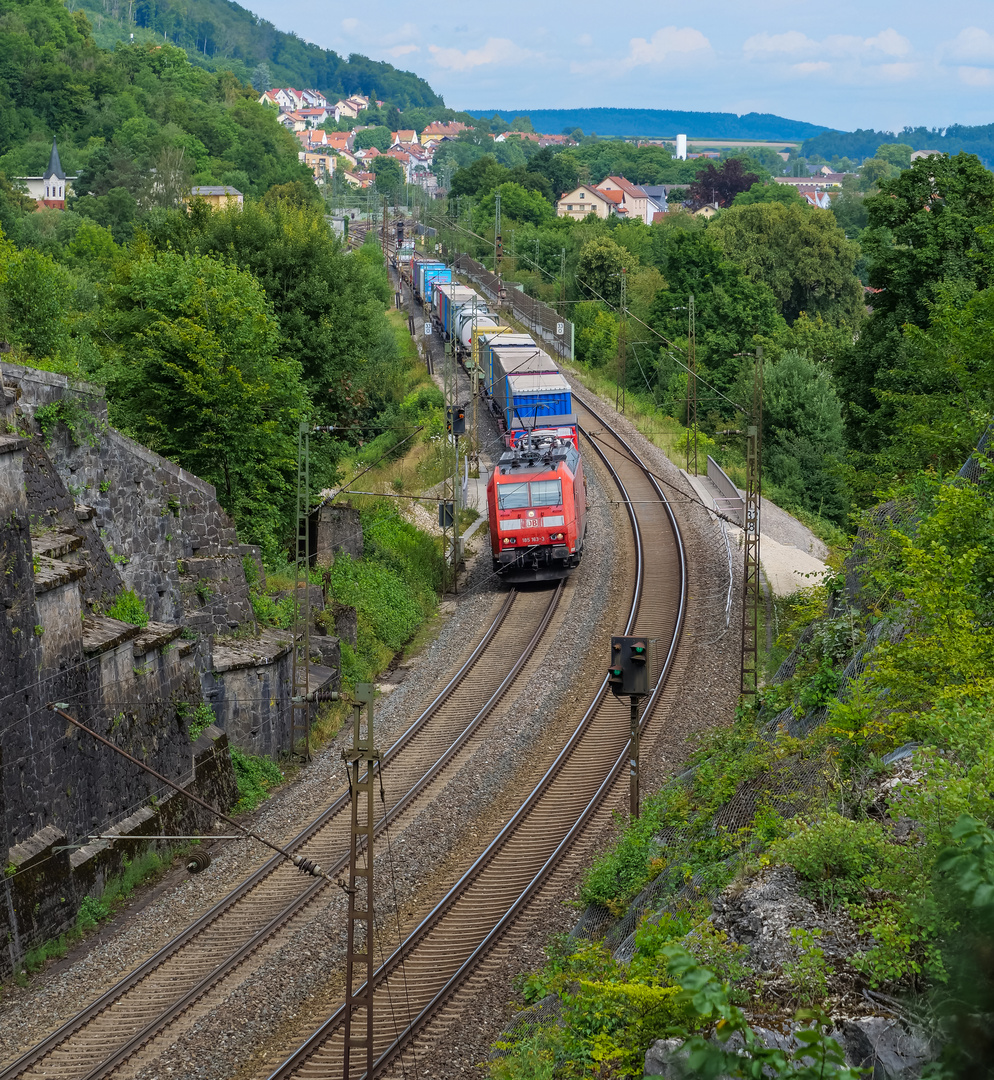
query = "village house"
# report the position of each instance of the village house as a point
(321, 165)
(585, 200)
(406, 137)
(345, 109)
(292, 121)
(812, 183)
(315, 116)
(631, 200)
(437, 131)
(217, 197)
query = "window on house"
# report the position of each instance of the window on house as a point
(581, 194)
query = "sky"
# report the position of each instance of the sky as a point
(844, 64)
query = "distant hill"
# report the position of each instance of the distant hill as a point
(218, 34)
(661, 123)
(857, 145)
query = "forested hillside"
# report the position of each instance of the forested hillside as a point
(222, 35)
(862, 143)
(661, 123)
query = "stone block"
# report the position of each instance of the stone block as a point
(339, 532)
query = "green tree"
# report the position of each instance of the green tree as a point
(762, 193)
(262, 79)
(195, 374)
(849, 207)
(800, 253)
(380, 137)
(389, 176)
(873, 171)
(599, 269)
(896, 154)
(731, 309)
(516, 204)
(720, 185)
(922, 235)
(802, 437)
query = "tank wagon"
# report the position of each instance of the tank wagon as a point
(458, 309)
(537, 502)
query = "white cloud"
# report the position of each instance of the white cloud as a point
(811, 67)
(793, 43)
(976, 76)
(586, 40)
(664, 44)
(402, 50)
(971, 46)
(495, 51)
(350, 24)
(888, 43)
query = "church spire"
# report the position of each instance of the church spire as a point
(54, 170)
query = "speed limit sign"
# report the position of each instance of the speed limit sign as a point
(427, 329)
(560, 328)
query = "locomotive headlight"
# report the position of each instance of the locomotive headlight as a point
(557, 536)
(510, 539)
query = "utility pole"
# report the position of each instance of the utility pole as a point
(498, 250)
(562, 283)
(383, 233)
(360, 916)
(691, 382)
(300, 706)
(623, 342)
(751, 583)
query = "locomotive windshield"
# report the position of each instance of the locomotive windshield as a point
(536, 493)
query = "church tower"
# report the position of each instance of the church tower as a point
(55, 182)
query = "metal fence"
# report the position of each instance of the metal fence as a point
(542, 321)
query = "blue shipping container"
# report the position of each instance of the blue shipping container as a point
(430, 275)
(491, 368)
(532, 396)
(419, 273)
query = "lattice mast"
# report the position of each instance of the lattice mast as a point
(691, 386)
(359, 953)
(300, 706)
(622, 342)
(751, 588)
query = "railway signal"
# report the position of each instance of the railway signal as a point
(455, 420)
(628, 676)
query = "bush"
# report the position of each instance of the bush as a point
(255, 776)
(129, 607)
(837, 856)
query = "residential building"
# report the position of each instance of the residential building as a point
(292, 121)
(437, 131)
(918, 154)
(314, 99)
(216, 196)
(321, 165)
(631, 200)
(315, 116)
(812, 183)
(585, 200)
(405, 137)
(345, 109)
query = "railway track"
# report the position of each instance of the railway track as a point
(435, 960)
(192, 969)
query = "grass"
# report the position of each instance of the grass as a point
(142, 870)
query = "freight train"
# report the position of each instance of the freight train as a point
(537, 494)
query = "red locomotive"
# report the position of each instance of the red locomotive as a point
(537, 499)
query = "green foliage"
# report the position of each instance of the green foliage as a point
(837, 857)
(816, 1058)
(808, 974)
(195, 374)
(256, 777)
(203, 717)
(800, 253)
(922, 236)
(129, 607)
